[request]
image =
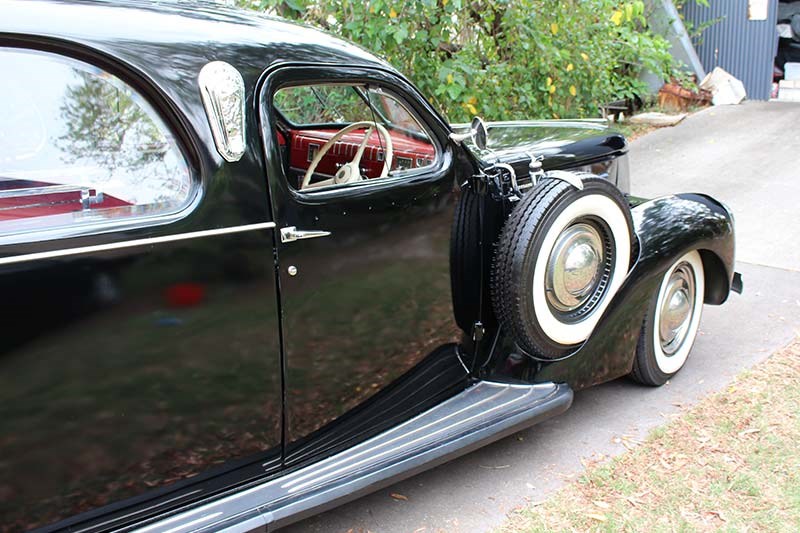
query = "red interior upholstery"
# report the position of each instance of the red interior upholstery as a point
(27, 199)
(408, 152)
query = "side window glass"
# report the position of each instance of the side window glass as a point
(80, 146)
(337, 135)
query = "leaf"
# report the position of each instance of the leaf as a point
(400, 34)
(294, 5)
(570, 67)
(400, 497)
(598, 517)
(454, 91)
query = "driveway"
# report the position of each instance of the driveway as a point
(746, 156)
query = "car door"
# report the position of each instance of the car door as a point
(364, 266)
(140, 355)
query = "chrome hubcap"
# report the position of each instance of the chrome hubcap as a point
(575, 267)
(677, 308)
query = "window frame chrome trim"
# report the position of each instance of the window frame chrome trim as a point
(144, 91)
(81, 250)
(393, 83)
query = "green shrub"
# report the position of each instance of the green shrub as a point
(501, 59)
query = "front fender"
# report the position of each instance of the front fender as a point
(670, 226)
(666, 228)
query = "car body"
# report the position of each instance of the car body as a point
(192, 341)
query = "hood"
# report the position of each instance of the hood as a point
(563, 143)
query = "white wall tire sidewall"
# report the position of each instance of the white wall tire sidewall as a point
(670, 364)
(594, 205)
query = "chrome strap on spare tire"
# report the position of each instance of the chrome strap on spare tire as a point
(573, 178)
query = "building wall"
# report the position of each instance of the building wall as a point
(745, 48)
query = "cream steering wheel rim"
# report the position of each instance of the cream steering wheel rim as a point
(388, 151)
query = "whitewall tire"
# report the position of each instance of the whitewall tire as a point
(672, 322)
(563, 254)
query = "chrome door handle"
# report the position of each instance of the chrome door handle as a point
(291, 233)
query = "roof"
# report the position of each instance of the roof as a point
(222, 33)
(168, 43)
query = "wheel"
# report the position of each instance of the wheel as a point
(670, 326)
(563, 254)
(471, 301)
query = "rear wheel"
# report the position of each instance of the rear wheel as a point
(673, 318)
(563, 253)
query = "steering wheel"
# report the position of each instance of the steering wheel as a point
(350, 172)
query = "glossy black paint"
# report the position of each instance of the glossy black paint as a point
(667, 228)
(438, 376)
(117, 405)
(369, 300)
(113, 398)
(561, 143)
(109, 390)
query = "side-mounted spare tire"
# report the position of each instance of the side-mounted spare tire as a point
(562, 255)
(475, 226)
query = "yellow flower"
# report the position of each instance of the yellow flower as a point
(449, 79)
(570, 67)
(552, 89)
(554, 28)
(472, 109)
(572, 90)
(616, 18)
(392, 13)
(549, 81)
(584, 56)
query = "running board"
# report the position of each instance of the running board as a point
(481, 414)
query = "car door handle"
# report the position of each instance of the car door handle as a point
(291, 233)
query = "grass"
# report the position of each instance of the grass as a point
(731, 463)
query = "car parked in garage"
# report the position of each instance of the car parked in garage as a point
(249, 272)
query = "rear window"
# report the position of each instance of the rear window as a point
(79, 146)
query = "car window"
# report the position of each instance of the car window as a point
(339, 135)
(321, 104)
(80, 146)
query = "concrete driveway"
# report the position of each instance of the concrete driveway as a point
(746, 156)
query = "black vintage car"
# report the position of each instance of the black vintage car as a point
(248, 272)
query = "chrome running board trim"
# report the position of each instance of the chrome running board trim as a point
(483, 413)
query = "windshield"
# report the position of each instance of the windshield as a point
(313, 105)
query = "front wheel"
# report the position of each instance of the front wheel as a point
(672, 321)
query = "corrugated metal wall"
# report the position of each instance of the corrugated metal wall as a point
(745, 48)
